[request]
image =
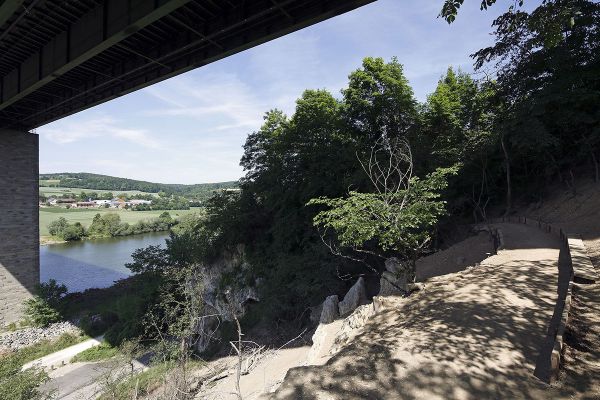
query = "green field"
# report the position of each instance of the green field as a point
(59, 191)
(85, 216)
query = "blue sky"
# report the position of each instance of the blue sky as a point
(191, 128)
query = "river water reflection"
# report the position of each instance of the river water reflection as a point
(92, 263)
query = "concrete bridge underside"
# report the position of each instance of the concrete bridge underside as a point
(58, 57)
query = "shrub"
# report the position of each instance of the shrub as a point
(44, 308)
(40, 313)
(22, 385)
(73, 232)
(55, 228)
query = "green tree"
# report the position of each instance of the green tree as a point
(44, 307)
(457, 128)
(548, 63)
(396, 218)
(73, 232)
(380, 102)
(55, 228)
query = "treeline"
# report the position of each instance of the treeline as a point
(104, 182)
(164, 203)
(108, 225)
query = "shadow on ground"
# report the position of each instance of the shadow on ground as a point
(473, 335)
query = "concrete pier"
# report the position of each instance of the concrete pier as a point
(19, 222)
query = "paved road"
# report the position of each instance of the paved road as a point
(472, 335)
(75, 381)
(84, 380)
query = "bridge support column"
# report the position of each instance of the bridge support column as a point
(19, 222)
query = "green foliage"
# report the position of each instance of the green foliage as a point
(379, 101)
(548, 62)
(149, 259)
(44, 307)
(97, 353)
(288, 162)
(450, 8)
(73, 232)
(117, 311)
(66, 231)
(400, 221)
(177, 309)
(23, 385)
(55, 228)
(40, 313)
(110, 225)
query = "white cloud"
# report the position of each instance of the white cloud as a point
(219, 100)
(73, 130)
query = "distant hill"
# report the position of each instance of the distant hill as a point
(85, 180)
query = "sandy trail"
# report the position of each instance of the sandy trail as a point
(470, 335)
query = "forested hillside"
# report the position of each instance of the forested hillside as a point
(104, 182)
(333, 189)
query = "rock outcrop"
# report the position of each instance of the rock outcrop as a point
(352, 325)
(356, 296)
(329, 310)
(217, 307)
(391, 284)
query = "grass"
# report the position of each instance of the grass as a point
(101, 352)
(85, 216)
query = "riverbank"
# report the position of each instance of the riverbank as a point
(52, 240)
(46, 240)
(95, 263)
(86, 216)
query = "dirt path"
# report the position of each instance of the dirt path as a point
(470, 335)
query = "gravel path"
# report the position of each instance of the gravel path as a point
(473, 335)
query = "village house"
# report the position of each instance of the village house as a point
(84, 204)
(118, 203)
(102, 203)
(66, 202)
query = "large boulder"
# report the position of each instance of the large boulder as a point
(391, 284)
(393, 265)
(217, 307)
(329, 310)
(356, 296)
(212, 295)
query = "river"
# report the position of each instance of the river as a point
(92, 263)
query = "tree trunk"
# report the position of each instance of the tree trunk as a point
(508, 183)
